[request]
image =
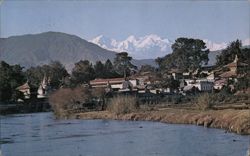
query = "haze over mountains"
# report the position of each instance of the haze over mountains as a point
(38, 49)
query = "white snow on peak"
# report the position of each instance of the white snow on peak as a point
(246, 42)
(149, 46)
(212, 46)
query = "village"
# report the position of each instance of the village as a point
(214, 79)
(146, 86)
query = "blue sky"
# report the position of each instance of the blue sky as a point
(218, 21)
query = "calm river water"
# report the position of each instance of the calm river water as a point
(41, 135)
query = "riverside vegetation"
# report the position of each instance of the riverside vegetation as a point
(208, 110)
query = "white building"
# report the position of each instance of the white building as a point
(201, 84)
(44, 88)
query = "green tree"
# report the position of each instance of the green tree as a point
(122, 64)
(55, 71)
(228, 55)
(99, 70)
(170, 82)
(188, 54)
(109, 70)
(83, 72)
(246, 55)
(35, 76)
(11, 77)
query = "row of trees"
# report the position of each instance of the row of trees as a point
(82, 72)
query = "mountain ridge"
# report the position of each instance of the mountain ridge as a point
(38, 49)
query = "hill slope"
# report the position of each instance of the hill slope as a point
(31, 50)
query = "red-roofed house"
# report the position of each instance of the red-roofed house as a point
(25, 89)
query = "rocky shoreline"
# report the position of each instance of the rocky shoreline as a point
(237, 121)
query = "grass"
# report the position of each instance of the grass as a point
(123, 104)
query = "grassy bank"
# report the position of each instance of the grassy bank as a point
(231, 120)
(209, 110)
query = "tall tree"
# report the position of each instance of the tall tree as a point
(99, 70)
(122, 64)
(188, 54)
(35, 76)
(109, 70)
(83, 72)
(228, 55)
(57, 73)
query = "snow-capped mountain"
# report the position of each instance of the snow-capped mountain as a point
(149, 46)
(212, 46)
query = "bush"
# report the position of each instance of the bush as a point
(123, 104)
(204, 101)
(99, 93)
(66, 99)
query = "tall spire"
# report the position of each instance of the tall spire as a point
(236, 59)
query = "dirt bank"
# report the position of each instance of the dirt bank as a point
(231, 120)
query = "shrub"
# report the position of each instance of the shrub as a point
(123, 104)
(99, 93)
(66, 99)
(204, 101)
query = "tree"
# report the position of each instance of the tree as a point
(35, 76)
(55, 71)
(99, 70)
(170, 82)
(109, 70)
(246, 55)
(188, 54)
(100, 94)
(83, 72)
(228, 55)
(11, 77)
(122, 64)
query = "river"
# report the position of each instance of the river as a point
(39, 134)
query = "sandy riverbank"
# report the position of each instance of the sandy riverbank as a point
(237, 121)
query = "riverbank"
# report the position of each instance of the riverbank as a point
(28, 106)
(237, 121)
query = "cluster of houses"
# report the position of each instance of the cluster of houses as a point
(210, 78)
(213, 78)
